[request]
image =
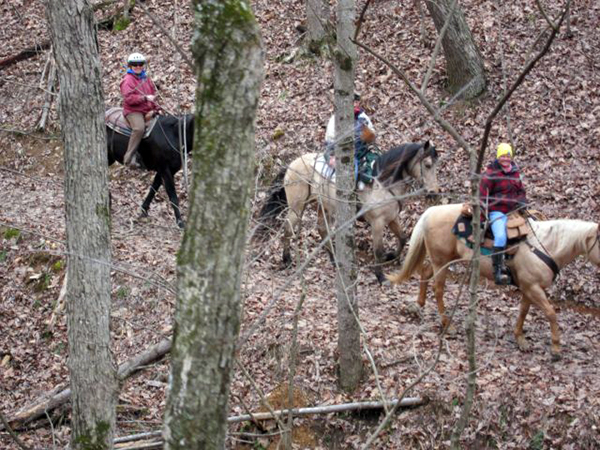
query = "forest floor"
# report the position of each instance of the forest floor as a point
(523, 399)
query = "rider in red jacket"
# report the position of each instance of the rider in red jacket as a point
(501, 191)
(139, 95)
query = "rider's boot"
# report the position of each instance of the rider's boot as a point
(501, 276)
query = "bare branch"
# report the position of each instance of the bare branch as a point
(361, 19)
(168, 35)
(543, 12)
(434, 112)
(515, 85)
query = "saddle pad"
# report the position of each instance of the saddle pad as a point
(116, 121)
(463, 229)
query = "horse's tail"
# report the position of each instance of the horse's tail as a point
(275, 204)
(416, 253)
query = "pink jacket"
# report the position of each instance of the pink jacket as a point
(134, 90)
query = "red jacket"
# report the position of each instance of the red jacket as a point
(501, 191)
(134, 90)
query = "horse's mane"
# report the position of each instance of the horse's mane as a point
(563, 233)
(390, 166)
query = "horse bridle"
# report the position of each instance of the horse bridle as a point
(595, 241)
(418, 160)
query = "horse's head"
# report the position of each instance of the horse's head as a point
(423, 167)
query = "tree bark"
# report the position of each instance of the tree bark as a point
(464, 63)
(348, 328)
(227, 50)
(317, 18)
(81, 111)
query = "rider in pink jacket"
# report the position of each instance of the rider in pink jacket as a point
(139, 95)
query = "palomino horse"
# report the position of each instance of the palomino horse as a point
(160, 152)
(562, 240)
(303, 184)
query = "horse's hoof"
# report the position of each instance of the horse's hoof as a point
(449, 329)
(143, 213)
(522, 344)
(390, 256)
(555, 354)
(181, 224)
(414, 310)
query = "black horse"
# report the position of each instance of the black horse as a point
(160, 152)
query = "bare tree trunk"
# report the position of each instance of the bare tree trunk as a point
(317, 19)
(81, 110)
(227, 49)
(471, 321)
(464, 63)
(348, 328)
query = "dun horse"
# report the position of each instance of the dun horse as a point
(160, 152)
(303, 184)
(562, 240)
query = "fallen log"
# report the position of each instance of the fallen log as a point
(124, 441)
(106, 23)
(59, 396)
(25, 54)
(357, 406)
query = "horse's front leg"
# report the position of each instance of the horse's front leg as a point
(537, 296)
(156, 183)
(169, 182)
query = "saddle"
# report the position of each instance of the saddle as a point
(517, 229)
(116, 121)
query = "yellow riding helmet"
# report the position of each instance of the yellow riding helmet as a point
(504, 149)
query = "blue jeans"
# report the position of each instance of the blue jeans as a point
(498, 223)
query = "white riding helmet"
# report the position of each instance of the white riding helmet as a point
(136, 57)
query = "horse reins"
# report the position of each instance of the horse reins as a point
(595, 241)
(545, 258)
